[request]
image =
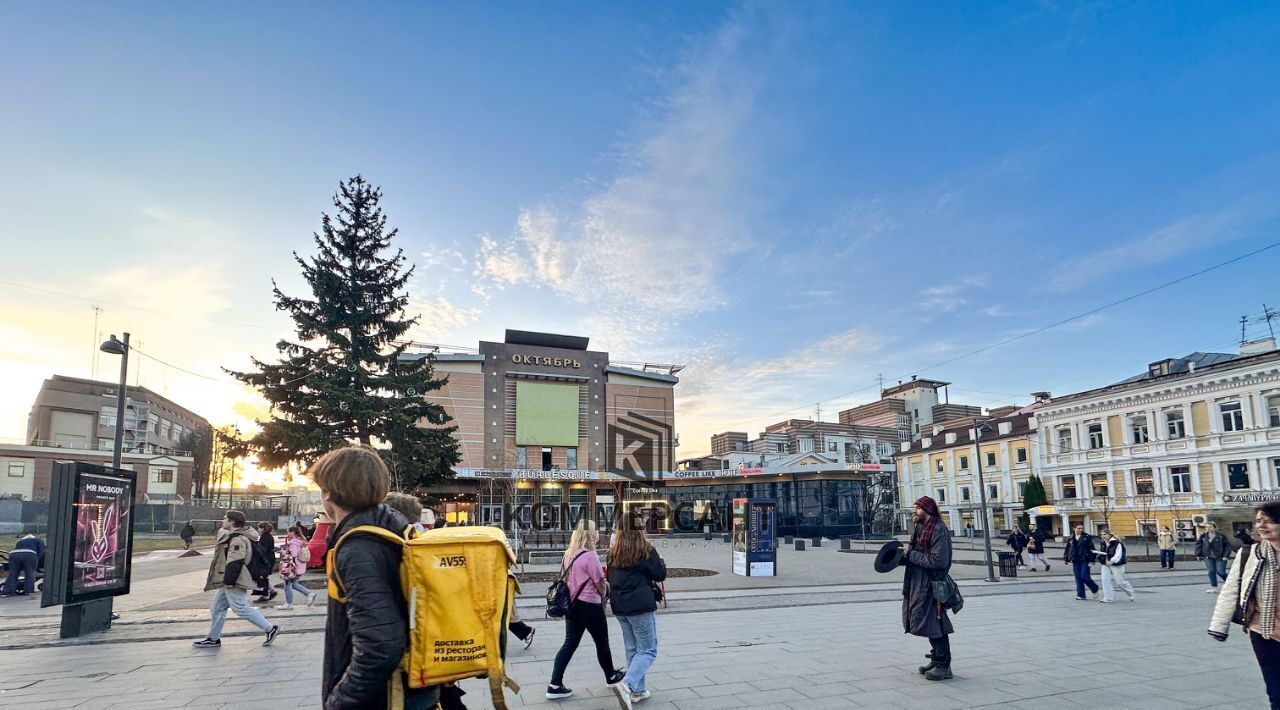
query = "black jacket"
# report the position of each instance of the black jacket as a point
(630, 592)
(1017, 541)
(1111, 552)
(367, 635)
(1079, 550)
(1215, 546)
(1035, 543)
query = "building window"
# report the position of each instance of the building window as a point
(1064, 441)
(937, 466)
(780, 448)
(991, 459)
(964, 493)
(162, 475)
(1174, 424)
(522, 457)
(166, 428)
(1022, 455)
(1238, 475)
(1275, 463)
(17, 469)
(1273, 410)
(1022, 490)
(154, 421)
(917, 469)
(1138, 427)
(1232, 416)
(993, 491)
(107, 417)
(1144, 483)
(964, 463)
(1098, 482)
(177, 432)
(1180, 479)
(571, 458)
(1068, 486)
(1095, 435)
(941, 495)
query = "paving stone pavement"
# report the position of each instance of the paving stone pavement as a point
(1033, 649)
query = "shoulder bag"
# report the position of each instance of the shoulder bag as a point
(1238, 617)
(558, 599)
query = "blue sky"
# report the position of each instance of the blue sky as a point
(791, 199)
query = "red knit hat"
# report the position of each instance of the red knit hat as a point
(928, 505)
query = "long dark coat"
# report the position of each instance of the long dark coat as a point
(921, 614)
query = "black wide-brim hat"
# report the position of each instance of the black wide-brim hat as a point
(889, 557)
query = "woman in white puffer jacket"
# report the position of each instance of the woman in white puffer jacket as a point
(1253, 588)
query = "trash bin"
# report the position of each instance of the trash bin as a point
(1008, 564)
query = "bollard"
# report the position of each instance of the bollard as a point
(789, 539)
(817, 542)
(706, 536)
(727, 537)
(800, 545)
(844, 543)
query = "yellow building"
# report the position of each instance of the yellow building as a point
(944, 464)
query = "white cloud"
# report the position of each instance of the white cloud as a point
(648, 249)
(948, 297)
(1185, 236)
(439, 318)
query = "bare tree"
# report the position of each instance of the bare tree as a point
(1146, 503)
(1107, 506)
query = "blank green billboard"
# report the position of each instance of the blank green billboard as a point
(546, 414)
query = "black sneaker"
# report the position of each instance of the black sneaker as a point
(615, 678)
(271, 635)
(528, 640)
(558, 692)
(207, 643)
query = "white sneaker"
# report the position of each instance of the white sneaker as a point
(621, 690)
(284, 607)
(312, 599)
(1211, 590)
(642, 695)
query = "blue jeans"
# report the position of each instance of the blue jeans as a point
(1167, 557)
(1217, 568)
(1083, 578)
(640, 639)
(21, 562)
(292, 584)
(237, 600)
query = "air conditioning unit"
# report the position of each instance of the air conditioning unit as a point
(1199, 519)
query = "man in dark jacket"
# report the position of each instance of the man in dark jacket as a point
(1018, 542)
(263, 562)
(1079, 552)
(927, 558)
(1213, 547)
(366, 635)
(27, 557)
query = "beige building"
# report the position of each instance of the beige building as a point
(1189, 439)
(944, 464)
(74, 419)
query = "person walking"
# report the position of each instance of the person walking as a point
(292, 567)
(585, 577)
(367, 630)
(1168, 545)
(1079, 552)
(1243, 536)
(229, 576)
(1213, 547)
(1251, 590)
(1113, 559)
(260, 566)
(635, 569)
(1017, 542)
(187, 534)
(1035, 550)
(927, 558)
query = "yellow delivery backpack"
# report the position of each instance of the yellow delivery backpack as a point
(460, 593)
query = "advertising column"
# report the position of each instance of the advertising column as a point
(755, 552)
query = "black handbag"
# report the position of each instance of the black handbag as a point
(947, 594)
(558, 599)
(657, 592)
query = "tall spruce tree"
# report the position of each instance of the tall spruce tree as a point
(342, 381)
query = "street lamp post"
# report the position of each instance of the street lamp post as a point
(978, 428)
(121, 348)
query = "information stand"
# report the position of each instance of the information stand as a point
(90, 544)
(755, 536)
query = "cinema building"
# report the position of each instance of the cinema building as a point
(551, 432)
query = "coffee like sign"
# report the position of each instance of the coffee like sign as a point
(545, 361)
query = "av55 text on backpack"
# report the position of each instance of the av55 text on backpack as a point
(460, 591)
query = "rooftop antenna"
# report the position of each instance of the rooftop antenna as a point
(880, 379)
(97, 339)
(1269, 314)
(1244, 320)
